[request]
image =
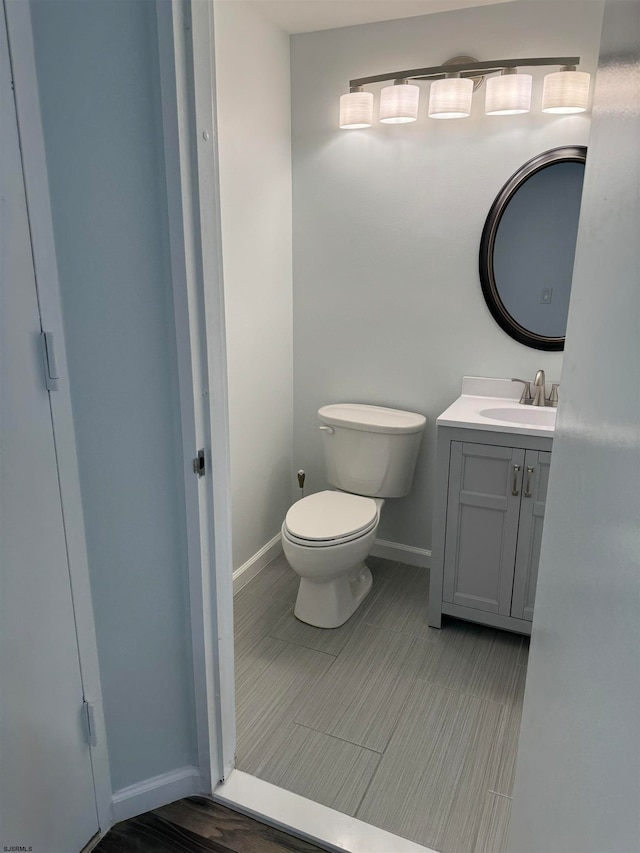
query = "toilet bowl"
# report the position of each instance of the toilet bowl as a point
(370, 454)
(326, 538)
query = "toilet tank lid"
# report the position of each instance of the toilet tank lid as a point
(371, 418)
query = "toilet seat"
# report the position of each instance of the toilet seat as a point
(330, 518)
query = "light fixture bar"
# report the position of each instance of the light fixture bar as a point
(468, 69)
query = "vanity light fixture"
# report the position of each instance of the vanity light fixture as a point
(453, 84)
(399, 103)
(451, 97)
(566, 91)
(508, 94)
(356, 109)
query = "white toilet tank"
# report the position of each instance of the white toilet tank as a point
(370, 450)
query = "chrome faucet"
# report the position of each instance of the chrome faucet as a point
(525, 398)
(538, 382)
(537, 398)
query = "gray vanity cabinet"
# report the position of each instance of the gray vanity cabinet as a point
(482, 526)
(488, 527)
(534, 496)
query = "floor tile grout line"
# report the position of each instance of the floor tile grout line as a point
(314, 648)
(391, 733)
(505, 705)
(413, 642)
(302, 646)
(495, 744)
(295, 707)
(458, 711)
(499, 741)
(404, 703)
(369, 783)
(403, 633)
(335, 737)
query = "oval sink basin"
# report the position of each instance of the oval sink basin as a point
(522, 415)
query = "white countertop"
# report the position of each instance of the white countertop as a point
(481, 396)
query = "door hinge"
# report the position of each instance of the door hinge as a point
(199, 464)
(90, 721)
(51, 371)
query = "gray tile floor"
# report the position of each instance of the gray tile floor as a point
(409, 728)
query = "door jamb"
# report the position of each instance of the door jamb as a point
(185, 39)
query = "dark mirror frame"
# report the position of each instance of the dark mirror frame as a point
(566, 153)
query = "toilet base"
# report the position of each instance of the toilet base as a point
(330, 604)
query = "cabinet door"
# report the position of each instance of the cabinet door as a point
(483, 507)
(534, 496)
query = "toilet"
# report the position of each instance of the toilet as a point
(370, 455)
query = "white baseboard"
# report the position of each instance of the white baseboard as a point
(155, 792)
(402, 553)
(255, 564)
(381, 548)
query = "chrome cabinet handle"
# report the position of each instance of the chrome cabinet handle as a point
(527, 489)
(515, 491)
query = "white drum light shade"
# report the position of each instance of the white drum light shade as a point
(451, 98)
(565, 92)
(399, 103)
(508, 94)
(356, 110)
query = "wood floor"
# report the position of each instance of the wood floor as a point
(406, 727)
(196, 825)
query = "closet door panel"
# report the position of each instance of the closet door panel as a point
(47, 800)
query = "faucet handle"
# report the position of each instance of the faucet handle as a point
(552, 399)
(526, 396)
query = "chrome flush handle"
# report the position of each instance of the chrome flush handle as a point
(515, 491)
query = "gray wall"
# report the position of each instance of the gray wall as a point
(255, 200)
(98, 78)
(577, 784)
(387, 222)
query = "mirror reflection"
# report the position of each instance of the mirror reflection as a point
(528, 247)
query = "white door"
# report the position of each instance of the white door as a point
(47, 799)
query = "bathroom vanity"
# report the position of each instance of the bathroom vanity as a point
(492, 471)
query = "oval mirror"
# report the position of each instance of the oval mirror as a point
(528, 245)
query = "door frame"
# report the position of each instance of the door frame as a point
(34, 167)
(185, 46)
